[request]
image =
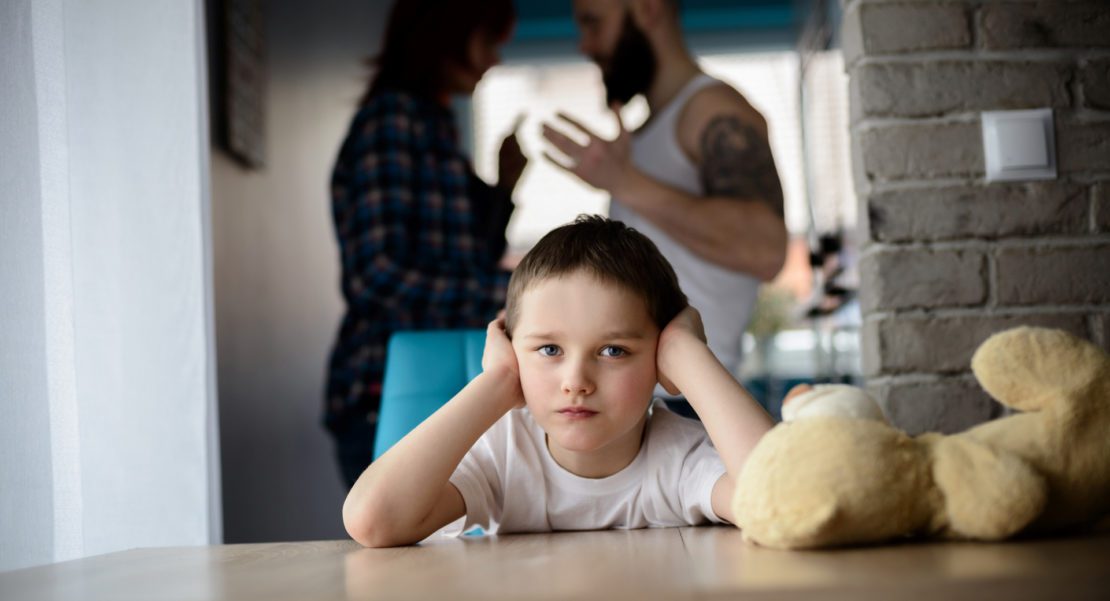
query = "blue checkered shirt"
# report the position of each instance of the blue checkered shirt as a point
(420, 237)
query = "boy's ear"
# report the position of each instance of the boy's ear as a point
(503, 314)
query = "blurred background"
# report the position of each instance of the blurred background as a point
(170, 282)
(296, 71)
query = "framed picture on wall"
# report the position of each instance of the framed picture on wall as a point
(238, 63)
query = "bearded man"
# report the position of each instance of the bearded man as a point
(697, 177)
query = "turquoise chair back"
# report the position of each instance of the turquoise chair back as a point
(423, 370)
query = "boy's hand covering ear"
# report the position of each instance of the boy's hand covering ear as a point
(498, 355)
(686, 323)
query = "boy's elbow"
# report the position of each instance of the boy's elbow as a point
(369, 536)
(366, 527)
(373, 534)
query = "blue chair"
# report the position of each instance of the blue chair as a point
(423, 370)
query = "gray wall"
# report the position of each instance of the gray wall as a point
(277, 277)
(107, 430)
(952, 259)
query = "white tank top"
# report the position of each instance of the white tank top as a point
(724, 298)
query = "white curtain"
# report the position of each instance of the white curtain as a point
(107, 397)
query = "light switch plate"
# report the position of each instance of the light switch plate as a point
(1019, 145)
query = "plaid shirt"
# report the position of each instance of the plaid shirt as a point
(420, 237)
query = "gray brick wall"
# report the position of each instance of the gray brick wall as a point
(1008, 25)
(1094, 76)
(907, 278)
(980, 211)
(949, 86)
(921, 150)
(1083, 143)
(1100, 208)
(949, 259)
(1054, 274)
(1102, 324)
(914, 403)
(943, 344)
(935, 26)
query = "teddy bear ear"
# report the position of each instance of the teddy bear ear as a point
(832, 400)
(1031, 368)
(989, 494)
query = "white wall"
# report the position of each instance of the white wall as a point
(277, 277)
(26, 518)
(107, 432)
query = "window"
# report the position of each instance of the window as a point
(547, 197)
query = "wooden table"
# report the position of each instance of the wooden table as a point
(685, 563)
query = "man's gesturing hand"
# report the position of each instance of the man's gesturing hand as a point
(602, 163)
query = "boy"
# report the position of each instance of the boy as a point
(559, 431)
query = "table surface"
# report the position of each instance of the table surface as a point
(675, 563)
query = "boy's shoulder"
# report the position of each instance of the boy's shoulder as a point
(668, 428)
(678, 452)
(515, 428)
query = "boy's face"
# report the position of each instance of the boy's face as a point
(586, 352)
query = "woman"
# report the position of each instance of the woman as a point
(420, 235)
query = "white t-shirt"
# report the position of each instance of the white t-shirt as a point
(510, 482)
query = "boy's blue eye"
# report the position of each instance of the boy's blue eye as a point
(613, 351)
(548, 350)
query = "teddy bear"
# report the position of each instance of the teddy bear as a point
(834, 472)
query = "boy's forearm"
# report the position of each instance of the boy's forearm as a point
(734, 420)
(401, 488)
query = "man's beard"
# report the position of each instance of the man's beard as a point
(631, 68)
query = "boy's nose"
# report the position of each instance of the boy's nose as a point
(577, 388)
(577, 380)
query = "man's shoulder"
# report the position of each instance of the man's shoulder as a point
(709, 104)
(717, 97)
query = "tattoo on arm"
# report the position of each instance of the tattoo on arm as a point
(737, 162)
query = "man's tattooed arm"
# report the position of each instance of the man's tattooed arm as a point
(737, 162)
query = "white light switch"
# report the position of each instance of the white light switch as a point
(1022, 143)
(1019, 145)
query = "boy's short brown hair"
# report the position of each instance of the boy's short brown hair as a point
(608, 250)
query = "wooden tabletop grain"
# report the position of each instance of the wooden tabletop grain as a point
(681, 563)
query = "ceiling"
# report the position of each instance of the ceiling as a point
(551, 20)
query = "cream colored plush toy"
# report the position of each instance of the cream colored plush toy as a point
(836, 473)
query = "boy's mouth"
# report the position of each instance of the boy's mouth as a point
(577, 412)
